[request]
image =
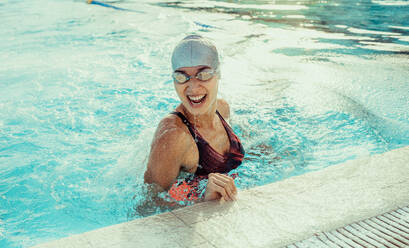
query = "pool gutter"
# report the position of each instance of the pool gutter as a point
(272, 215)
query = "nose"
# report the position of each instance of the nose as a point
(194, 85)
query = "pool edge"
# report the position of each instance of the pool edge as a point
(272, 215)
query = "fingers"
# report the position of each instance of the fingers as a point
(228, 184)
(224, 185)
(217, 188)
(229, 181)
(224, 188)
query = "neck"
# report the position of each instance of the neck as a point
(206, 120)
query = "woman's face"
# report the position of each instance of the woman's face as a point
(197, 96)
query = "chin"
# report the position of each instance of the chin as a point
(195, 110)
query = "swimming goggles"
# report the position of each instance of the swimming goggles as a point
(203, 75)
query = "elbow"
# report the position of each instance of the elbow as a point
(159, 187)
(147, 178)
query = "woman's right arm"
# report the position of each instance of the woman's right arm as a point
(168, 149)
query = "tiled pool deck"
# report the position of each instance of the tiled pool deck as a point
(284, 213)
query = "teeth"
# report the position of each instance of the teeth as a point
(196, 98)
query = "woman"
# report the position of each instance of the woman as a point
(195, 138)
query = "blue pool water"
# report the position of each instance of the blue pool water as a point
(83, 86)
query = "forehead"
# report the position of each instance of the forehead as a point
(193, 69)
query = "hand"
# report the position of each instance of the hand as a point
(221, 187)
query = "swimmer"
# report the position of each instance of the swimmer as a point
(196, 138)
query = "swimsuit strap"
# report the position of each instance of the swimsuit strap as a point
(187, 123)
(225, 125)
(193, 131)
(181, 116)
(190, 126)
(184, 119)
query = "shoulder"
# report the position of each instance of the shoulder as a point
(171, 131)
(223, 108)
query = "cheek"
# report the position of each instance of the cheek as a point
(214, 87)
(179, 90)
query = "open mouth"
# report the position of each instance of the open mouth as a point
(196, 100)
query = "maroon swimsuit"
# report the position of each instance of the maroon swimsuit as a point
(210, 161)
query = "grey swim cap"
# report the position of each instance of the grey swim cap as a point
(195, 50)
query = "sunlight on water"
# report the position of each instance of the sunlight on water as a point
(310, 84)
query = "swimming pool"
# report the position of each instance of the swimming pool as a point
(310, 84)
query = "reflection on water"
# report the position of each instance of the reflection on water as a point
(362, 23)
